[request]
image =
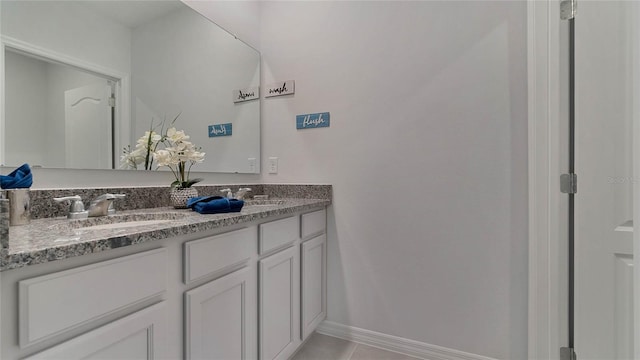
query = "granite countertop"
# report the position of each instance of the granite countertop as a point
(51, 239)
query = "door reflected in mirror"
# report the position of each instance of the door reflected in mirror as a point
(156, 59)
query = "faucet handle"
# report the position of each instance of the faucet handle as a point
(112, 210)
(76, 208)
(242, 192)
(227, 193)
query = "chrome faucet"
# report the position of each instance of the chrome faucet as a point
(112, 210)
(239, 195)
(76, 208)
(100, 205)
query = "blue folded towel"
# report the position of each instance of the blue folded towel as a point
(214, 204)
(18, 179)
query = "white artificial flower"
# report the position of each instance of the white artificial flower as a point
(175, 136)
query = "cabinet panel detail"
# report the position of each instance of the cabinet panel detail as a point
(214, 254)
(141, 335)
(278, 233)
(279, 304)
(314, 282)
(219, 322)
(58, 302)
(313, 224)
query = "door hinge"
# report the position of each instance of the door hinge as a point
(568, 9)
(112, 101)
(567, 353)
(569, 183)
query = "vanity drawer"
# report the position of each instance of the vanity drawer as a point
(218, 254)
(313, 223)
(58, 302)
(278, 233)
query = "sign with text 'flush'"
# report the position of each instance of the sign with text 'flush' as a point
(220, 130)
(311, 121)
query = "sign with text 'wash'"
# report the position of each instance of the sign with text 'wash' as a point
(280, 88)
(247, 94)
(310, 121)
(220, 130)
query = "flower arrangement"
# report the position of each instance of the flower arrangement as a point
(178, 153)
(179, 157)
(143, 152)
(145, 147)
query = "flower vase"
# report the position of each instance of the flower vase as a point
(180, 195)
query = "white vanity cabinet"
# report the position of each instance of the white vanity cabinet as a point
(141, 335)
(314, 284)
(220, 316)
(220, 320)
(279, 288)
(280, 304)
(314, 271)
(247, 291)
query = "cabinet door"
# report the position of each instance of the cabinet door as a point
(314, 272)
(220, 318)
(141, 335)
(280, 304)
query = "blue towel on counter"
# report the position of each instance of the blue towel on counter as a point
(18, 179)
(214, 204)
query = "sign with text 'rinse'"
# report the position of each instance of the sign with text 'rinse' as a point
(247, 94)
(220, 130)
(310, 121)
(280, 88)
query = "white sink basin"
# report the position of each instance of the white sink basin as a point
(264, 202)
(118, 221)
(122, 225)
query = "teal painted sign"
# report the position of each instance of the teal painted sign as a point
(310, 121)
(220, 130)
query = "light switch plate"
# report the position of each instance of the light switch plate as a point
(252, 165)
(273, 165)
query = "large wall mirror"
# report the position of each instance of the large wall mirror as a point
(85, 79)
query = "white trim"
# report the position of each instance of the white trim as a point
(543, 35)
(395, 343)
(122, 94)
(635, 92)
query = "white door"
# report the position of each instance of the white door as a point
(88, 127)
(279, 304)
(604, 202)
(220, 318)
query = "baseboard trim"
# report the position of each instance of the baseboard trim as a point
(394, 343)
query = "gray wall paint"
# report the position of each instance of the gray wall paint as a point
(427, 152)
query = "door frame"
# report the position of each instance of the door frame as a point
(122, 115)
(543, 55)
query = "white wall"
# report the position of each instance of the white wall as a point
(427, 154)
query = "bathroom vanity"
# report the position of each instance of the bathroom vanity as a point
(166, 283)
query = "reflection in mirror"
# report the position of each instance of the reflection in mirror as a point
(156, 58)
(56, 105)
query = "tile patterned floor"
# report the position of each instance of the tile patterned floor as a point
(323, 347)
